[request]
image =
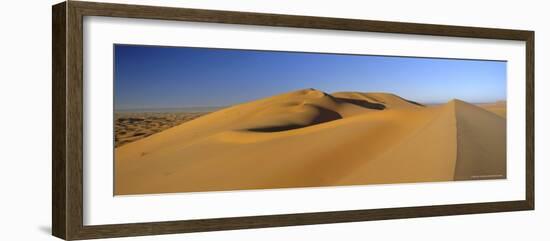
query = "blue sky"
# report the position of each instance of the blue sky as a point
(179, 77)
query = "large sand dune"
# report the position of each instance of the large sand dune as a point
(309, 138)
(498, 108)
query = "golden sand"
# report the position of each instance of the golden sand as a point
(308, 138)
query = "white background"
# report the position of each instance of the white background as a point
(25, 99)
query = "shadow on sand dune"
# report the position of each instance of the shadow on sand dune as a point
(324, 115)
(362, 103)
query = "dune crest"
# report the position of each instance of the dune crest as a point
(498, 108)
(481, 143)
(387, 100)
(309, 138)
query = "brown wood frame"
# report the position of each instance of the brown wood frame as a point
(67, 124)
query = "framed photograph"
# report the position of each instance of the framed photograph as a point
(171, 120)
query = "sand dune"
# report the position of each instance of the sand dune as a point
(498, 108)
(385, 100)
(481, 139)
(309, 138)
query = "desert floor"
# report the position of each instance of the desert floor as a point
(308, 138)
(132, 126)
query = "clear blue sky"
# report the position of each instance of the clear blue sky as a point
(178, 77)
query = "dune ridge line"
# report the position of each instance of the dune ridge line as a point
(308, 138)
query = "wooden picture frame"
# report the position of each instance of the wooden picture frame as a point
(67, 152)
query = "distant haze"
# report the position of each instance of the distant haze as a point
(155, 77)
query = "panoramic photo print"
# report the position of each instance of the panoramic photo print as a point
(190, 119)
